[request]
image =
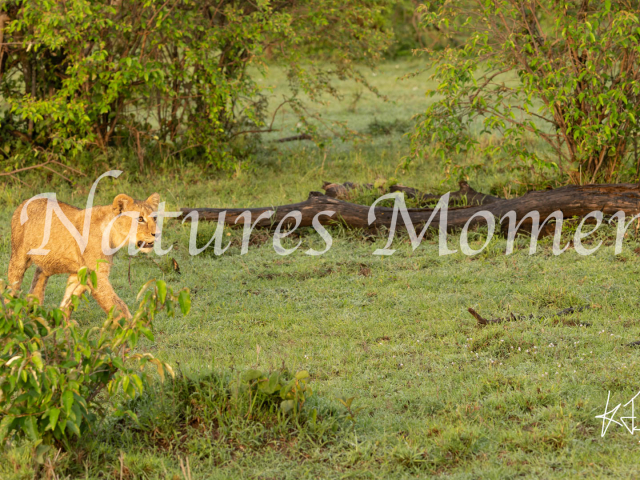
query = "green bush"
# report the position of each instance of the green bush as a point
(213, 416)
(287, 393)
(55, 378)
(210, 416)
(559, 73)
(178, 77)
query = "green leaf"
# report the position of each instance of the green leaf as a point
(73, 427)
(161, 285)
(94, 278)
(30, 427)
(285, 390)
(273, 384)
(251, 375)
(131, 391)
(67, 401)
(137, 381)
(54, 414)
(82, 275)
(99, 262)
(36, 359)
(287, 405)
(185, 301)
(41, 451)
(5, 426)
(144, 288)
(147, 333)
(346, 401)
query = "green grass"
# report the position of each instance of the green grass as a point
(439, 397)
(357, 105)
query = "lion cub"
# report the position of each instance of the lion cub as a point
(63, 254)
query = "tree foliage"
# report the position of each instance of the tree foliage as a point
(53, 374)
(564, 72)
(410, 33)
(179, 75)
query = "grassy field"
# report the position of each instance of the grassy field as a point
(436, 396)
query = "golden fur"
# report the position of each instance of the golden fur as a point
(65, 255)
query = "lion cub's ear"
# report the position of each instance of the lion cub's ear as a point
(154, 200)
(122, 203)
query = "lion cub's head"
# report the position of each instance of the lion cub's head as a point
(135, 214)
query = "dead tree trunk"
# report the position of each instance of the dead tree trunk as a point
(465, 193)
(571, 201)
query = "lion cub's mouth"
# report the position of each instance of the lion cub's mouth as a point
(144, 245)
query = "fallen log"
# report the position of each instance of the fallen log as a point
(571, 201)
(466, 193)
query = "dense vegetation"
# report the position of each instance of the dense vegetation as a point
(54, 376)
(561, 72)
(170, 76)
(438, 396)
(345, 364)
(549, 85)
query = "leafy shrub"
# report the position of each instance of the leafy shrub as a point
(560, 72)
(224, 410)
(176, 76)
(52, 374)
(275, 389)
(203, 417)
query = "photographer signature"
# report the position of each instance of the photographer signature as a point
(608, 416)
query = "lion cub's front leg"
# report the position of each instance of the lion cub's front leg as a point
(104, 294)
(73, 288)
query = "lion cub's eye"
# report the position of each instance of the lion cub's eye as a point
(141, 219)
